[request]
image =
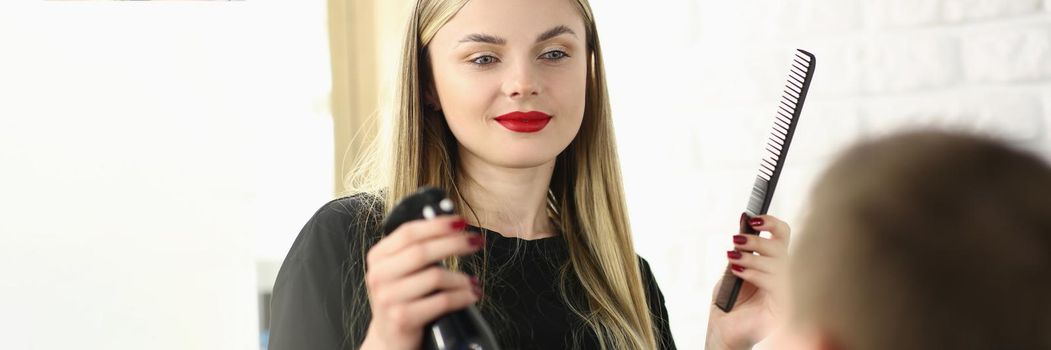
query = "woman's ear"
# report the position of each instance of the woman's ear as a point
(430, 96)
(430, 91)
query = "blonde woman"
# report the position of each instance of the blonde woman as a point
(503, 104)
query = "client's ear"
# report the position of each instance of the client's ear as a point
(804, 338)
(824, 340)
(829, 346)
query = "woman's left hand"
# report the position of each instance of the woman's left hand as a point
(762, 264)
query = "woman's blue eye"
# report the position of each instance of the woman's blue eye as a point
(484, 60)
(554, 55)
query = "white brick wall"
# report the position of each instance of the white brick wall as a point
(693, 108)
(906, 62)
(900, 13)
(1008, 55)
(907, 13)
(964, 10)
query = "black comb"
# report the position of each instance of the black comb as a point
(464, 329)
(773, 161)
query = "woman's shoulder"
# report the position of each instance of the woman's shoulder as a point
(311, 288)
(658, 310)
(351, 207)
(337, 225)
(356, 207)
(353, 215)
(649, 281)
(644, 266)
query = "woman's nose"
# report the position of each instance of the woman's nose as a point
(521, 81)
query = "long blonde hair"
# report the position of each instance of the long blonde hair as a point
(586, 199)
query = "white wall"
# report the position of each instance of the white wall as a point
(151, 153)
(694, 85)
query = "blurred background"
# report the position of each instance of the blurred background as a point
(159, 157)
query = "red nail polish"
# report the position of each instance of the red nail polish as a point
(737, 268)
(755, 222)
(475, 240)
(740, 239)
(477, 291)
(733, 254)
(459, 224)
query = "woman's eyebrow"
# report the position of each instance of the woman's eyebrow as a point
(483, 38)
(553, 32)
(495, 40)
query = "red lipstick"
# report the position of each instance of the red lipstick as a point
(524, 121)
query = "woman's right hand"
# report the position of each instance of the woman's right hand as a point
(761, 298)
(407, 290)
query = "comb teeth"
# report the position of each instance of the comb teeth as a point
(786, 112)
(793, 94)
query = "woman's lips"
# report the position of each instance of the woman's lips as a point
(524, 121)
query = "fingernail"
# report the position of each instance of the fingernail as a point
(737, 268)
(475, 240)
(755, 222)
(740, 239)
(476, 286)
(733, 254)
(459, 224)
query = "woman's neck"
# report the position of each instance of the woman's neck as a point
(511, 201)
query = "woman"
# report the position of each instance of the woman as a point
(926, 240)
(504, 105)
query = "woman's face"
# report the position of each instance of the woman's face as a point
(510, 79)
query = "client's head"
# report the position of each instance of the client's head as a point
(926, 240)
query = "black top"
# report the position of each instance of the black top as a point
(317, 285)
